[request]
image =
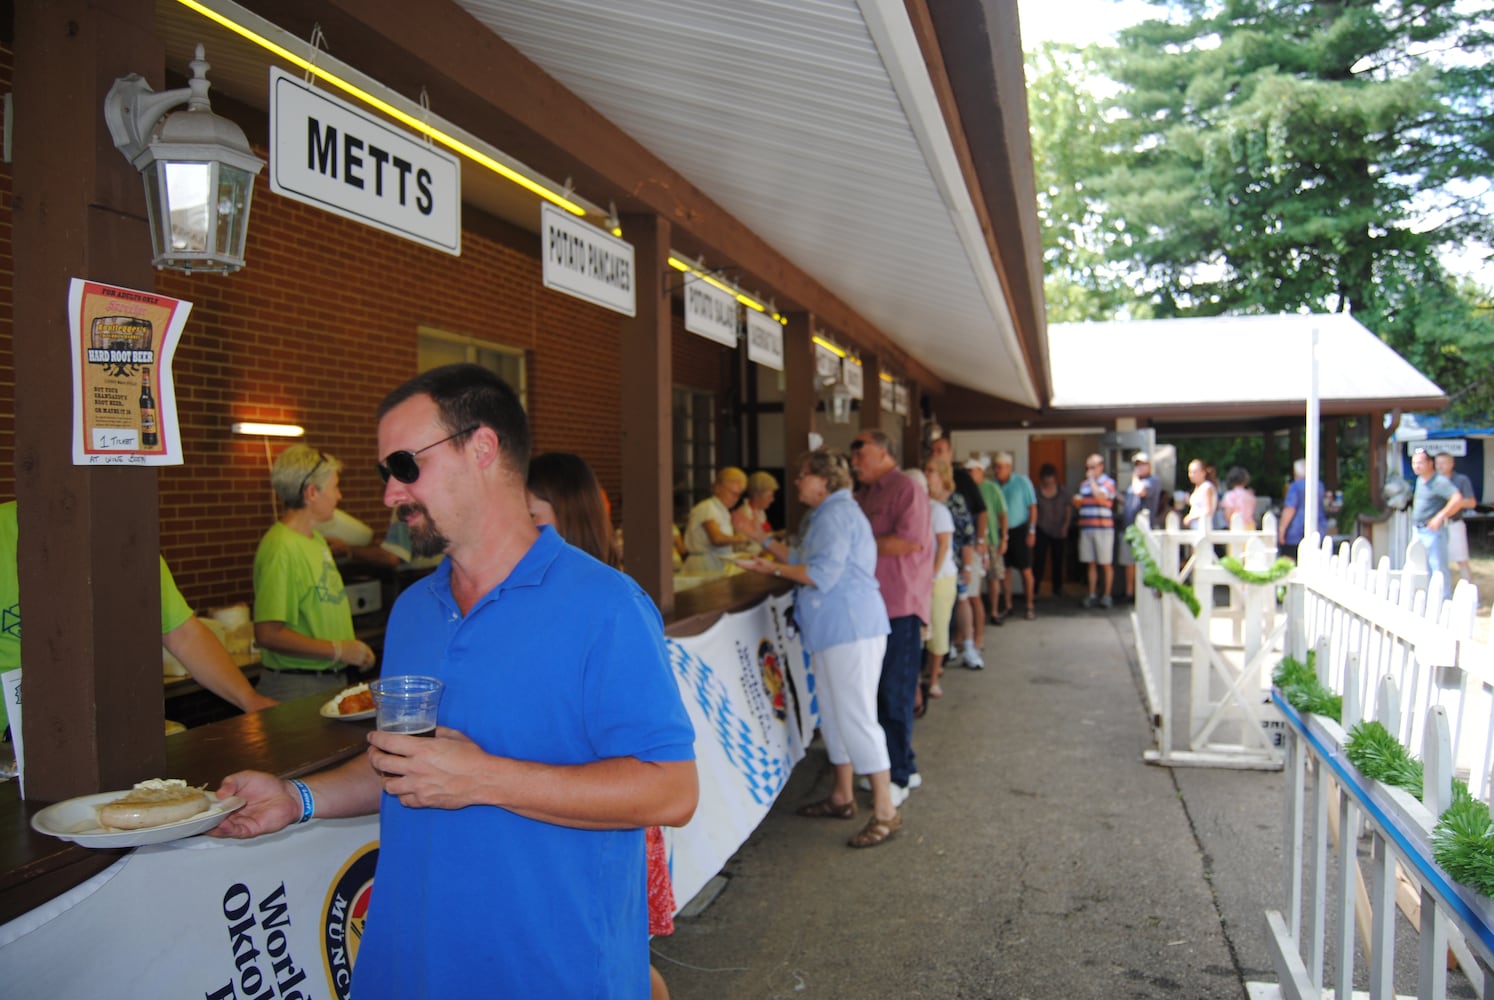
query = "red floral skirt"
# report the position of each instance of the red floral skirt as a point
(660, 889)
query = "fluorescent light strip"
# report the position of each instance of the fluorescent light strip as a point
(712, 280)
(269, 430)
(839, 352)
(409, 120)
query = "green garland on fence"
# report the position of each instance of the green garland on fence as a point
(1379, 755)
(1302, 690)
(1463, 839)
(1280, 568)
(1152, 577)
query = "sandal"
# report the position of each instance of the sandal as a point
(935, 691)
(877, 831)
(825, 809)
(1031, 615)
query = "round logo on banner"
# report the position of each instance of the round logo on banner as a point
(343, 916)
(772, 671)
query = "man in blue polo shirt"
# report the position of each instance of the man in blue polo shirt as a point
(1434, 502)
(511, 854)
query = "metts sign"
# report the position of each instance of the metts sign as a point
(338, 157)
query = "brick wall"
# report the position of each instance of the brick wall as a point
(317, 327)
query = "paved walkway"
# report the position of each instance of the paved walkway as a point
(1041, 859)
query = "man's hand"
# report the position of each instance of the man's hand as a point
(426, 773)
(269, 805)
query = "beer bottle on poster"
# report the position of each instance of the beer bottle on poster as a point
(149, 438)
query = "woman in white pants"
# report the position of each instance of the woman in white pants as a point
(843, 624)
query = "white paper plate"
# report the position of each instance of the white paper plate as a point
(329, 710)
(78, 820)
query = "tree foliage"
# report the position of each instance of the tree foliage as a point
(1262, 156)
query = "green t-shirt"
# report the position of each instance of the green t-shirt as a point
(174, 607)
(995, 507)
(296, 582)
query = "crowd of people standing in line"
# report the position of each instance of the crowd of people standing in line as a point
(898, 573)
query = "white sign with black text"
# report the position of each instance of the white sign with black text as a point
(709, 311)
(587, 262)
(764, 340)
(1457, 447)
(338, 157)
(850, 373)
(826, 364)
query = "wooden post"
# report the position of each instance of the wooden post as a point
(88, 552)
(798, 406)
(646, 371)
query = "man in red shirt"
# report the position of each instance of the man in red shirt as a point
(899, 514)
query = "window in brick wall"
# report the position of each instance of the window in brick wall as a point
(694, 449)
(437, 347)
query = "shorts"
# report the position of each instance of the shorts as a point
(971, 578)
(940, 609)
(1457, 541)
(1097, 545)
(1123, 554)
(1018, 554)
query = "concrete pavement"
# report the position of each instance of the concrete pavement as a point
(1042, 858)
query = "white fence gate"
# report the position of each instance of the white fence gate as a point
(1224, 718)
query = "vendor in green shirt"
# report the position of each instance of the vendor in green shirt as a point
(188, 639)
(302, 621)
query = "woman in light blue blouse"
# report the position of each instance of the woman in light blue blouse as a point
(843, 624)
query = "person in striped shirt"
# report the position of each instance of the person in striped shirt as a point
(1095, 502)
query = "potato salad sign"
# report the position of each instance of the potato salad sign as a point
(124, 398)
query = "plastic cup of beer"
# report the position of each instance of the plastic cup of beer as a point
(407, 704)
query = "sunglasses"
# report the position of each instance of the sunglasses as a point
(321, 460)
(402, 465)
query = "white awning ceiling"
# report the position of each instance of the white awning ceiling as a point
(1228, 362)
(814, 122)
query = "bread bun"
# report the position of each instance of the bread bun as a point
(154, 803)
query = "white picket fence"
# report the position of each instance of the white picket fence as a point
(1399, 652)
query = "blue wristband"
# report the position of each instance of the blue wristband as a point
(308, 805)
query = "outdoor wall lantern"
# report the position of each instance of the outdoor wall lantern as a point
(838, 402)
(198, 168)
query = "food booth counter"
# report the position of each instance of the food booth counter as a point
(744, 680)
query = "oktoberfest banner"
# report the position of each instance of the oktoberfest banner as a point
(751, 697)
(276, 917)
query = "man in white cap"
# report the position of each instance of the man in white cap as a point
(1144, 494)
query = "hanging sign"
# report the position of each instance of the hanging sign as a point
(338, 157)
(709, 311)
(1457, 447)
(850, 373)
(124, 397)
(900, 406)
(586, 262)
(764, 340)
(826, 364)
(889, 397)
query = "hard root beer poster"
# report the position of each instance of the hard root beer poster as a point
(124, 399)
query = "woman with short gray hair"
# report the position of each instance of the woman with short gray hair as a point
(843, 624)
(302, 621)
